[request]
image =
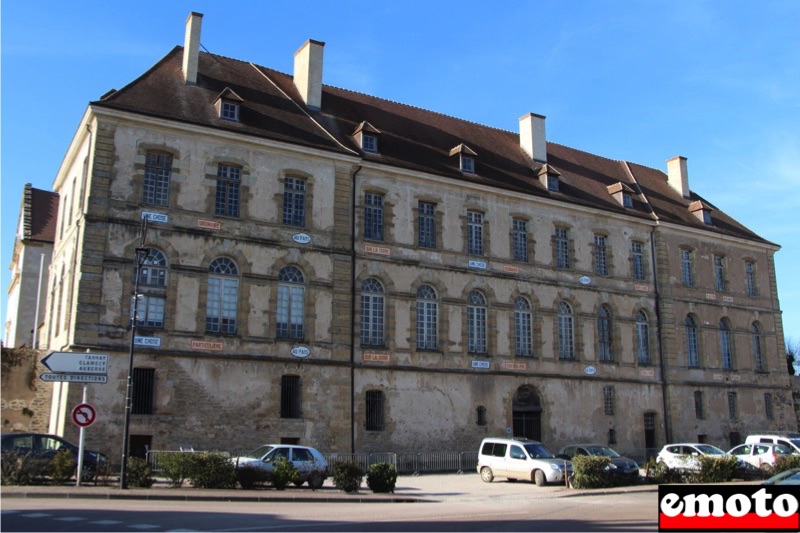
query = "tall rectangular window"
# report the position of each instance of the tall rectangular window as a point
(719, 273)
(157, 171)
(562, 247)
(150, 311)
(686, 268)
(227, 199)
(698, 405)
(374, 411)
(474, 233)
(426, 236)
(750, 278)
(600, 256)
(523, 336)
(290, 397)
(143, 391)
(608, 400)
(520, 229)
(768, 406)
(732, 407)
(373, 216)
(637, 260)
(427, 318)
(294, 202)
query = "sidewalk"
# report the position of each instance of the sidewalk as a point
(409, 489)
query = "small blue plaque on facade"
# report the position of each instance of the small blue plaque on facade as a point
(155, 217)
(480, 364)
(477, 264)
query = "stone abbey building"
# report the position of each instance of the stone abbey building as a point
(330, 268)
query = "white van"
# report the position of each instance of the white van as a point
(516, 459)
(792, 440)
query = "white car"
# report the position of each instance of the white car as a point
(310, 464)
(684, 456)
(760, 454)
(520, 458)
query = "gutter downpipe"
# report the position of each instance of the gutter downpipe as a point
(353, 311)
(667, 420)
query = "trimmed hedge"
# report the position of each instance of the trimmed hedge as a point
(347, 477)
(382, 477)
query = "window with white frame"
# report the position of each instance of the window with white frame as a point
(637, 260)
(150, 311)
(229, 110)
(427, 318)
(289, 317)
(600, 256)
(719, 273)
(373, 216)
(609, 400)
(627, 200)
(474, 233)
(523, 333)
(726, 353)
(294, 202)
(223, 296)
(566, 342)
(642, 338)
(369, 142)
(157, 173)
(426, 221)
(476, 323)
(520, 238)
(227, 194)
(750, 278)
(692, 349)
(153, 272)
(372, 313)
(687, 267)
(467, 164)
(562, 247)
(604, 334)
(758, 357)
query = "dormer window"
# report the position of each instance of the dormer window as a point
(549, 178)
(367, 137)
(466, 158)
(702, 211)
(622, 194)
(228, 105)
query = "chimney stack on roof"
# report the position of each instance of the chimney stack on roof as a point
(191, 48)
(308, 72)
(678, 175)
(532, 138)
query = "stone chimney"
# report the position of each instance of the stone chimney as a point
(678, 175)
(191, 48)
(532, 138)
(308, 72)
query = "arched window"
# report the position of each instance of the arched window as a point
(372, 312)
(725, 344)
(566, 344)
(758, 358)
(476, 323)
(152, 283)
(291, 296)
(523, 341)
(642, 338)
(427, 318)
(692, 349)
(153, 272)
(604, 334)
(223, 296)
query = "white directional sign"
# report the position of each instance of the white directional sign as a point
(75, 378)
(76, 363)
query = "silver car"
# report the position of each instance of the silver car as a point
(310, 464)
(516, 459)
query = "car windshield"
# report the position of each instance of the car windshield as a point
(259, 452)
(707, 449)
(602, 451)
(782, 449)
(538, 451)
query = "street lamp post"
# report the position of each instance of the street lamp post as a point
(140, 258)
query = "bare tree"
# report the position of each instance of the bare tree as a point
(792, 354)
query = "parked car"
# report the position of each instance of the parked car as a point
(787, 477)
(619, 465)
(310, 464)
(792, 440)
(760, 454)
(684, 456)
(42, 448)
(518, 458)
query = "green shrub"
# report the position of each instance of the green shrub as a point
(591, 472)
(382, 477)
(660, 473)
(283, 473)
(715, 469)
(18, 469)
(785, 463)
(211, 471)
(106, 474)
(175, 467)
(138, 473)
(249, 477)
(62, 467)
(347, 477)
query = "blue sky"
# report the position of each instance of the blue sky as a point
(715, 81)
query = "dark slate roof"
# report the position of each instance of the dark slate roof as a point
(40, 214)
(410, 138)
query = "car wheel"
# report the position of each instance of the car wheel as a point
(539, 479)
(316, 481)
(486, 474)
(88, 473)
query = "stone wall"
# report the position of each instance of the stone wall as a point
(25, 403)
